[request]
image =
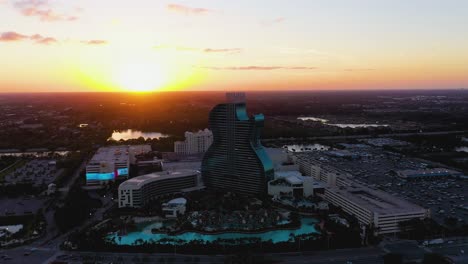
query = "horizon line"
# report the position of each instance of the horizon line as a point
(241, 90)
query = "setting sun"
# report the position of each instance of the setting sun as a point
(84, 45)
(140, 77)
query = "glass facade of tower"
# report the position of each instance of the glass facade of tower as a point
(236, 161)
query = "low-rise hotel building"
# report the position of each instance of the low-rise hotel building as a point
(112, 163)
(194, 143)
(137, 192)
(293, 184)
(108, 164)
(373, 208)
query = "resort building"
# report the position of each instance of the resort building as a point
(294, 186)
(375, 209)
(321, 171)
(194, 143)
(108, 164)
(282, 160)
(138, 191)
(135, 150)
(236, 161)
(111, 163)
(174, 208)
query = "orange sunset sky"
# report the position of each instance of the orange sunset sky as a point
(156, 45)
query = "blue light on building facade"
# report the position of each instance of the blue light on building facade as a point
(122, 172)
(107, 176)
(236, 161)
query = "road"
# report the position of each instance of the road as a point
(367, 255)
(46, 246)
(52, 231)
(76, 174)
(343, 256)
(371, 136)
(44, 249)
(455, 247)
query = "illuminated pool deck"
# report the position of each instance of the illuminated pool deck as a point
(276, 236)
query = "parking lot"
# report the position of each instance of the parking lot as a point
(445, 197)
(39, 172)
(20, 206)
(375, 167)
(455, 248)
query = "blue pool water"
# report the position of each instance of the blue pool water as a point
(307, 227)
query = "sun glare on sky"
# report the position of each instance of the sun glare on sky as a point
(140, 77)
(86, 45)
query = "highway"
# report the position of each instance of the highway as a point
(47, 255)
(438, 133)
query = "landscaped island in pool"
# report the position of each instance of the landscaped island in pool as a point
(276, 236)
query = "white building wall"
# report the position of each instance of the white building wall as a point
(276, 190)
(139, 195)
(308, 186)
(364, 215)
(194, 143)
(389, 223)
(383, 224)
(125, 198)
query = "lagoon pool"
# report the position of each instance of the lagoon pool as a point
(307, 227)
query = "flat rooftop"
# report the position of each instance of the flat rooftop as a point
(285, 174)
(111, 154)
(177, 201)
(294, 180)
(137, 182)
(182, 165)
(375, 200)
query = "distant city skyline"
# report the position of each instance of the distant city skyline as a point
(208, 45)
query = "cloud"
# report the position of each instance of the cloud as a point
(42, 40)
(12, 36)
(95, 42)
(43, 10)
(259, 68)
(232, 50)
(277, 20)
(201, 50)
(187, 10)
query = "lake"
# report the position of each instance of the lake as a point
(36, 154)
(276, 236)
(357, 125)
(306, 147)
(135, 134)
(325, 122)
(315, 119)
(461, 149)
